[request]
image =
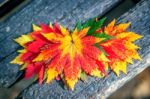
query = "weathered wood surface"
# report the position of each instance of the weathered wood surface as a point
(65, 12)
(98, 88)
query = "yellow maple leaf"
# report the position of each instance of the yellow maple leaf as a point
(24, 39)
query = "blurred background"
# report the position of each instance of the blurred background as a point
(137, 88)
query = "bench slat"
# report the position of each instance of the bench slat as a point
(100, 88)
(65, 12)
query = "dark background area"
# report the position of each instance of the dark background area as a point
(137, 88)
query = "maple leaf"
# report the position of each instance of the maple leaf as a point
(121, 49)
(52, 51)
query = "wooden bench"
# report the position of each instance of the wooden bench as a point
(68, 13)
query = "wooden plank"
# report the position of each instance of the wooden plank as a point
(102, 88)
(64, 11)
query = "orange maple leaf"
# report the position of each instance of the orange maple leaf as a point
(121, 49)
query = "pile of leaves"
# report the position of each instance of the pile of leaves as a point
(54, 52)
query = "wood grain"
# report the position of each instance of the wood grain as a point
(100, 88)
(66, 12)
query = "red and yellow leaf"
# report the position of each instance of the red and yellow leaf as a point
(53, 51)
